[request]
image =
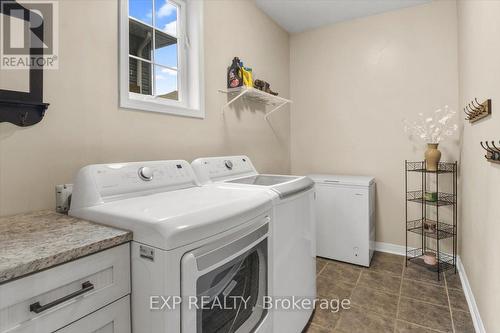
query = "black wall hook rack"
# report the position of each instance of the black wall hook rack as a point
(476, 111)
(22, 113)
(19, 107)
(492, 151)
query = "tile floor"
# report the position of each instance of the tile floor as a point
(389, 297)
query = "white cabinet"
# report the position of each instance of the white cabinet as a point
(114, 318)
(51, 299)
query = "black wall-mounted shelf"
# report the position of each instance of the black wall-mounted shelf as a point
(22, 113)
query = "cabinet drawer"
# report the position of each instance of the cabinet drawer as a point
(114, 318)
(48, 300)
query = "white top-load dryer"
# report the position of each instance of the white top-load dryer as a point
(292, 232)
(345, 217)
(193, 245)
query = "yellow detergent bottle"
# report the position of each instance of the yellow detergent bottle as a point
(246, 72)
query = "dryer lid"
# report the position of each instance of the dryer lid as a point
(285, 186)
(263, 180)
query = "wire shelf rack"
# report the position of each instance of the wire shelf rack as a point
(440, 231)
(445, 261)
(255, 95)
(431, 232)
(419, 166)
(443, 199)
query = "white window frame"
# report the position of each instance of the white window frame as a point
(190, 65)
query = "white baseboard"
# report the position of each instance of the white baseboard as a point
(473, 309)
(471, 301)
(390, 248)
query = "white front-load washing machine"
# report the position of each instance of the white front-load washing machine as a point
(292, 232)
(200, 254)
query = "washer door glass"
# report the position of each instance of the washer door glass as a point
(232, 294)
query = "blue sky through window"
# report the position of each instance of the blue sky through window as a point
(167, 56)
(166, 17)
(141, 10)
(165, 20)
(166, 80)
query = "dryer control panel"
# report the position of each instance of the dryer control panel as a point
(100, 183)
(222, 168)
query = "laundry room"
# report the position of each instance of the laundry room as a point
(237, 166)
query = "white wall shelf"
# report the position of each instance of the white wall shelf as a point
(255, 95)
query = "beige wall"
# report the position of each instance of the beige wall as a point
(479, 54)
(352, 84)
(84, 125)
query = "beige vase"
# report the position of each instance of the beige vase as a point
(432, 156)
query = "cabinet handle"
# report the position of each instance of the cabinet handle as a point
(37, 307)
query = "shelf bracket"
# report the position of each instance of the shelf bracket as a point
(274, 110)
(240, 94)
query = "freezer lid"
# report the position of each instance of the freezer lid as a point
(342, 179)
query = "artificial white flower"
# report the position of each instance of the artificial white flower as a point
(433, 128)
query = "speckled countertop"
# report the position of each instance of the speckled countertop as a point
(35, 241)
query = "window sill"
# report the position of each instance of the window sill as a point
(158, 107)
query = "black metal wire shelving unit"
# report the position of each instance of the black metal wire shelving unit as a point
(432, 232)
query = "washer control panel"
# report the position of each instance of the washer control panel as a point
(119, 179)
(222, 168)
(100, 183)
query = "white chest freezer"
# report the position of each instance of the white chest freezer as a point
(345, 217)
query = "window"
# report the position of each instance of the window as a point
(160, 56)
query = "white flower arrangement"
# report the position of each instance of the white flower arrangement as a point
(432, 128)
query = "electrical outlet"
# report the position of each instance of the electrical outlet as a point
(63, 197)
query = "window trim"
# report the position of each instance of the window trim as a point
(190, 65)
